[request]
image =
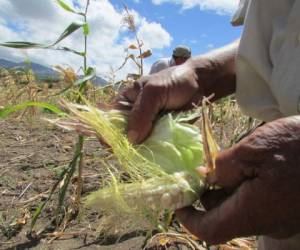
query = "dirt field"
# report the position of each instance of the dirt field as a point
(32, 154)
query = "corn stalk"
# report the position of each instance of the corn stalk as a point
(81, 89)
(129, 22)
(89, 73)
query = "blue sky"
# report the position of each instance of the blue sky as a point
(201, 30)
(161, 24)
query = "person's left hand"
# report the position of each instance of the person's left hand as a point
(261, 176)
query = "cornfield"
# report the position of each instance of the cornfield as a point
(48, 172)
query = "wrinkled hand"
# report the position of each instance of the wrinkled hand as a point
(261, 176)
(175, 88)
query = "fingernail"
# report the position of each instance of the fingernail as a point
(125, 104)
(132, 136)
(210, 176)
(203, 171)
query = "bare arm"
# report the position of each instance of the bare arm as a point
(219, 70)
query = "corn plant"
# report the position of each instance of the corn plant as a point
(80, 83)
(129, 22)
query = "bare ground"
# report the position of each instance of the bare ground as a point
(32, 154)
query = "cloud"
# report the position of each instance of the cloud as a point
(222, 7)
(41, 9)
(43, 21)
(154, 35)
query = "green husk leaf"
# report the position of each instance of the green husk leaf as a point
(173, 145)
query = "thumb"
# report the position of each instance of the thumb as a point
(145, 109)
(230, 171)
(237, 216)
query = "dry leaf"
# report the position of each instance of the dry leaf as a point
(211, 148)
(145, 54)
(132, 46)
(163, 241)
(23, 220)
(68, 74)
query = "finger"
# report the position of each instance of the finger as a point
(238, 216)
(146, 107)
(128, 96)
(190, 217)
(243, 160)
(203, 171)
(230, 170)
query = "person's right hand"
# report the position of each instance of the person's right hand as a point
(175, 88)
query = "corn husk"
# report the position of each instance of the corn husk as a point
(161, 172)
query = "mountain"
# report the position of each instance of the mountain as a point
(99, 81)
(38, 69)
(43, 72)
(7, 64)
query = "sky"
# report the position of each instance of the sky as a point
(161, 24)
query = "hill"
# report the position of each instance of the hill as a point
(41, 71)
(36, 68)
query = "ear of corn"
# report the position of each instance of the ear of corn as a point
(175, 146)
(161, 171)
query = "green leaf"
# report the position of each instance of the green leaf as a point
(68, 31)
(90, 74)
(86, 29)
(65, 6)
(68, 8)
(70, 50)
(11, 109)
(68, 176)
(22, 45)
(63, 91)
(40, 208)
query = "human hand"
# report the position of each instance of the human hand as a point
(178, 88)
(175, 88)
(261, 177)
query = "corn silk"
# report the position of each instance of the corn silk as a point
(160, 174)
